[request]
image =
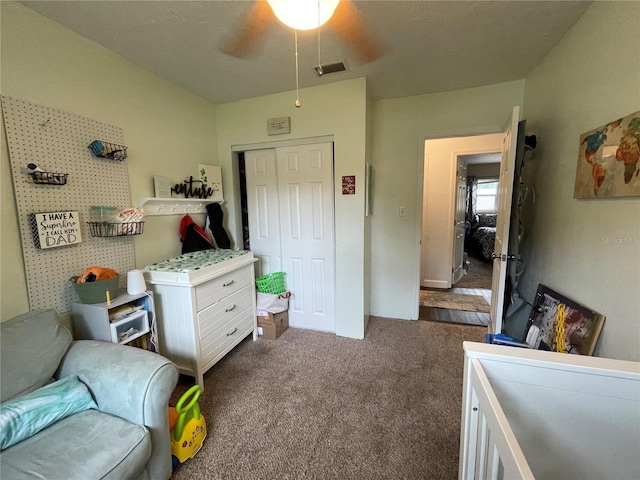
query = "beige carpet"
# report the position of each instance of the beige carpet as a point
(313, 405)
(454, 301)
(478, 274)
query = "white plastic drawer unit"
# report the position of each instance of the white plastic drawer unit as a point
(203, 310)
(130, 327)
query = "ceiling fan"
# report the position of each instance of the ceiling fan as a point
(342, 17)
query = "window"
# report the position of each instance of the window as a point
(487, 196)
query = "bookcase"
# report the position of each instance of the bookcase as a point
(127, 320)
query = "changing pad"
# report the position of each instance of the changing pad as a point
(196, 267)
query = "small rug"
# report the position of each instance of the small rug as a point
(454, 301)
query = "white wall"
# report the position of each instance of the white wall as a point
(439, 198)
(167, 129)
(400, 127)
(588, 250)
(338, 109)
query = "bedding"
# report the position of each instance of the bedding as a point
(483, 235)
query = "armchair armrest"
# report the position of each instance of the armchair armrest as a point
(131, 383)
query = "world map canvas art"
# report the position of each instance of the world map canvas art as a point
(609, 160)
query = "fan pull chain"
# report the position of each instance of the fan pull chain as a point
(295, 36)
(320, 72)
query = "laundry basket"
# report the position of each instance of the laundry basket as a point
(271, 283)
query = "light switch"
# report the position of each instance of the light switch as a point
(402, 211)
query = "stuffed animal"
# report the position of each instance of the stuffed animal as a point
(95, 274)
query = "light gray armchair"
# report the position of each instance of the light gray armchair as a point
(126, 437)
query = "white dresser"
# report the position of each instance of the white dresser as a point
(205, 305)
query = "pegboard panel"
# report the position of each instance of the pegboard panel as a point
(58, 142)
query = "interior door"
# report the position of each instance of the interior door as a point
(305, 191)
(263, 209)
(459, 221)
(501, 248)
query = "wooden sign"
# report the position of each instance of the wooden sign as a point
(56, 229)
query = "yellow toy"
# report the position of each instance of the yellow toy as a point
(189, 430)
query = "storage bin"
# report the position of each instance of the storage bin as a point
(271, 283)
(96, 292)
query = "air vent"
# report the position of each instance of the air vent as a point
(329, 68)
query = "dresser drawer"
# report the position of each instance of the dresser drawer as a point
(219, 313)
(215, 290)
(225, 336)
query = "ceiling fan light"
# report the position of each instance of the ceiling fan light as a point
(303, 14)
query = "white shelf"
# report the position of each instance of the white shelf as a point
(175, 206)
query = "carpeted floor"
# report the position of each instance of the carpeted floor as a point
(478, 274)
(314, 405)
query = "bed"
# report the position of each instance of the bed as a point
(537, 414)
(482, 235)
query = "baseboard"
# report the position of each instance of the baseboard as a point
(435, 284)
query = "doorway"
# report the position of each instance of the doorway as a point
(455, 278)
(288, 194)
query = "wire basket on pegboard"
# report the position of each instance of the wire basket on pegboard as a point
(271, 283)
(112, 151)
(49, 178)
(119, 229)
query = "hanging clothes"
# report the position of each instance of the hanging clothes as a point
(214, 227)
(192, 236)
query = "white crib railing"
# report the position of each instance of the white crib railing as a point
(486, 439)
(560, 416)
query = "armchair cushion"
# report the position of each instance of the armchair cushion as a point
(22, 417)
(32, 346)
(90, 444)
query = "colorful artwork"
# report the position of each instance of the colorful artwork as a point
(609, 160)
(559, 324)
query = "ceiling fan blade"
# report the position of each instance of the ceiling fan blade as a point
(350, 27)
(244, 38)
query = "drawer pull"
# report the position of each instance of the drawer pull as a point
(232, 332)
(227, 284)
(230, 308)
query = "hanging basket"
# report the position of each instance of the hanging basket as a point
(112, 151)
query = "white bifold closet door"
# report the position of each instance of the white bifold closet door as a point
(291, 226)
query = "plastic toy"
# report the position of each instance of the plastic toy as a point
(189, 430)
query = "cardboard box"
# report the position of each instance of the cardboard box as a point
(273, 325)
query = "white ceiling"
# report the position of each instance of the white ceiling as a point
(432, 46)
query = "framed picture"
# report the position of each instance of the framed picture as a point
(211, 178)
(609, 160)
(55, 229)
(559, 324)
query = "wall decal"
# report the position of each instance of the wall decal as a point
(192, 189)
